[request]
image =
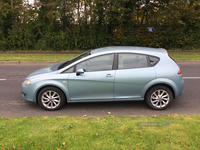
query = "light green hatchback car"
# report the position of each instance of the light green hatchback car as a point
(121, 73)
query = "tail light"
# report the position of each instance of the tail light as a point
(179, 72)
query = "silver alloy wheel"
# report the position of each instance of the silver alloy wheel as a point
(50, 99)
(160, 98)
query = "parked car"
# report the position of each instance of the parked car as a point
(107, 74)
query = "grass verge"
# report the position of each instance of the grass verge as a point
(185, 56)
(36, 57)
(64, 57)
(112, 132)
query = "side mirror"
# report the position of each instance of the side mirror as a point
(79, 72)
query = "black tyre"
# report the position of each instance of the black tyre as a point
(159, 97)
(51, 98)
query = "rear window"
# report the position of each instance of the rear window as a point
(153, 60)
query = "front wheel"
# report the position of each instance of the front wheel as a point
(159, 97)
(51, 98)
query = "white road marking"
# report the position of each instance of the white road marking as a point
(2, 79)
(191, 77)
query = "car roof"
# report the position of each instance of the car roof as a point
(145, 50)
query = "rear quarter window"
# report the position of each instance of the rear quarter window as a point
(153, 60)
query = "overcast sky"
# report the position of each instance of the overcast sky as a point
(31, 1)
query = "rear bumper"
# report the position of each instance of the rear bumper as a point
(180, 87)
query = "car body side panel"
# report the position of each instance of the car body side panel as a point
(167, 71)
(130, 82)
(91, 86)
(159, 81)
(57, 80)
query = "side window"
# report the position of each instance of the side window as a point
(99, 63)
(69, 70)
(128, 61)
(153, 60)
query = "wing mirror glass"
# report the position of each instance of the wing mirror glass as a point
(79, 72)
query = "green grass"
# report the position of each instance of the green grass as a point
(36, 57)
(64, 57)
(185, 56)
(99, 133)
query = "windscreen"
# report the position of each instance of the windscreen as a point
(74, 59)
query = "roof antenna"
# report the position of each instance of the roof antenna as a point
(151, 44)
(150, 29)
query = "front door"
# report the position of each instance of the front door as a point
(97, 81)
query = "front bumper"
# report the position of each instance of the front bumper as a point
(28, 93)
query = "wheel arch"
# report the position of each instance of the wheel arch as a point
(42, 87)
(161, 84)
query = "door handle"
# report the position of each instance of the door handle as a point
(109, 75)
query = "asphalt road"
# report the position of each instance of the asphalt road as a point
(13, 105)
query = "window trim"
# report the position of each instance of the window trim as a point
(116, 61)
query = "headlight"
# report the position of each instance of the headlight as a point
(27, 83)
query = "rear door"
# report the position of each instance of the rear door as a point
(132, 75)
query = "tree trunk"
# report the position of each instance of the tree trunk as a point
(85, 13)
(12, 5)
(146, 20)
(143, 17)
(78, 13)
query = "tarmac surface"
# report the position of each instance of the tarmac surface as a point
(12, 104)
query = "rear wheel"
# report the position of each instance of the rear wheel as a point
(51, 98)
(159, 97)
